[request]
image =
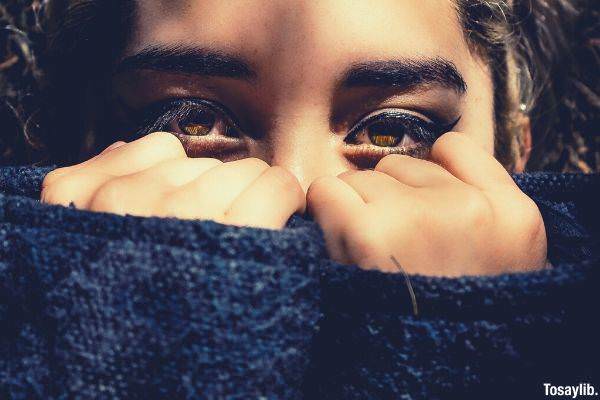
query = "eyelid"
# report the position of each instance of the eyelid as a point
(382, 114)
(161, 109)
(218, 107)
(373, 116)
(430, 124)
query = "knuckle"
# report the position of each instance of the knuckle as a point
(167, 142)
(53, 176)
(318, 186)
(448, 139)
(170, 206)
(391, 161)
(530, 217)
(289, 185)
(108, 197)
(52, 195)
(284, 179)
(527, 232)
(477, 208)
(60, 191)
(256, 163)
(177, 205)
(358, 175)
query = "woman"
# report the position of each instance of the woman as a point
(394, 124)
(277, 111)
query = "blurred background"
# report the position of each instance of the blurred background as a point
(565, 119)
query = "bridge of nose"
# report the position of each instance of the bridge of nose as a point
(307, 149)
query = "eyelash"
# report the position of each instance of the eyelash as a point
(159, 116)
(163, 115)
(416, 128)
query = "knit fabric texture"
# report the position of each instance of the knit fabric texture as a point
(100, 306)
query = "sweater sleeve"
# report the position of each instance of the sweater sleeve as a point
(102, 306)
(99, 305)
(473, 337)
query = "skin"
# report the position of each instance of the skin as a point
(455, 212)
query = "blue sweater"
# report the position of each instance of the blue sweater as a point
(102, 306)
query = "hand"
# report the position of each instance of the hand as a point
(153, 176)
(460, 214)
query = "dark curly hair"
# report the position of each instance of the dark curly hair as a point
(56, 57)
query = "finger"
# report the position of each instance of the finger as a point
(212, 193)
(413, 171)
(81, 187)
(269, 201)
(171, 174)
(332, 202)
(373, 185)
(75, 188)
(127, 196)
(464, 159)
(143, 193)
(57, 173)
(139, 155)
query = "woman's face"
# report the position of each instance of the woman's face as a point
(318, 87)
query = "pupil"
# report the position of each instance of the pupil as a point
(385, 134)
(197, 123)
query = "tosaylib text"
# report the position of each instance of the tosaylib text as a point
(583, 389)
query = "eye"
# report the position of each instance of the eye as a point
(191, 117)
(395, 128)
(198, 122)
(387, 133)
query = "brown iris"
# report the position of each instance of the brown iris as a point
(385, 134)
(197, 123)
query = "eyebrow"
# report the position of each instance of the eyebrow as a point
(187, 60)
(406, 74)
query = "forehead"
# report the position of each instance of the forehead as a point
(268, 28)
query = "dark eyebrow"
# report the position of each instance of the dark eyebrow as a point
(406, 74)
(187, 60)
